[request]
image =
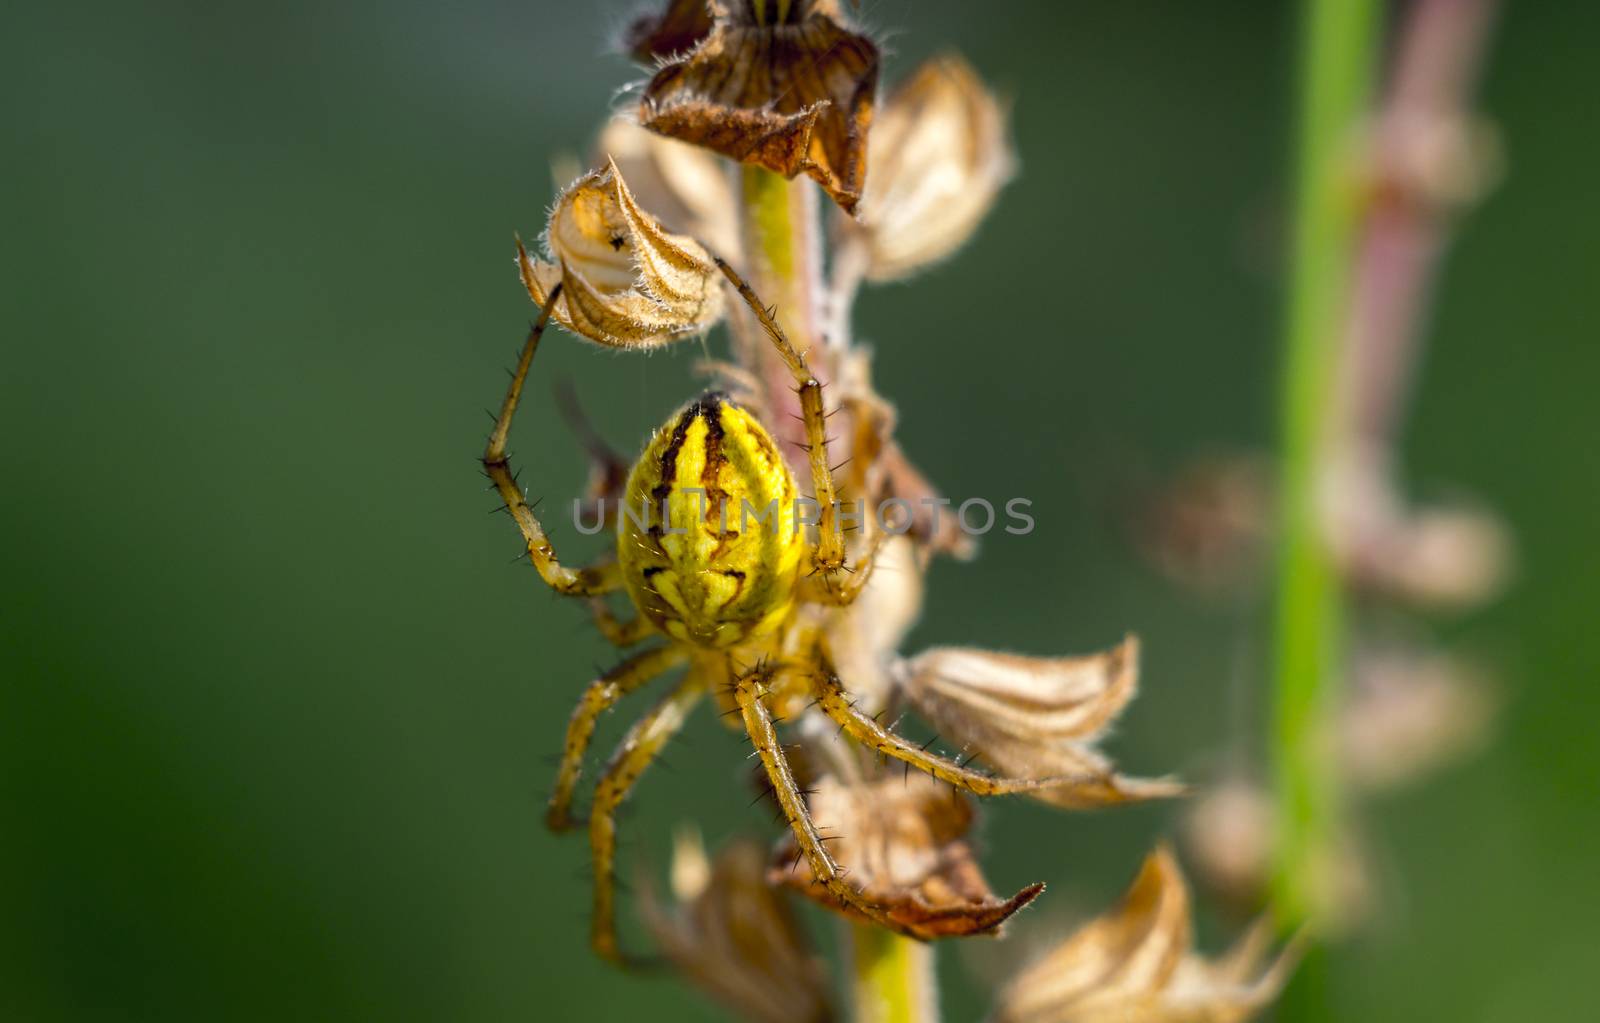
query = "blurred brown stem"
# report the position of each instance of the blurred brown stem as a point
(1421, 162)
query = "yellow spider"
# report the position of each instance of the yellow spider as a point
(722, 572)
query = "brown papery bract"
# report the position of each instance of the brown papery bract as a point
(903, 842)
(625, 281)
(1136, 962)
(1035, 717)
(783, 86)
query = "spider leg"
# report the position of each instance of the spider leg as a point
(635, 753)
(748, 692)
(497, 465)
(829, 554)
(824, 590)
(833, 701)
(601, 695)
(616, 631)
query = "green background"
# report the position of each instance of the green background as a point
(278, 708)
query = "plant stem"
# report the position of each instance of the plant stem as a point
(1338, 46)
(783, 265)
(893, 978)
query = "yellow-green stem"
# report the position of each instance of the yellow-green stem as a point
(1339, 39)
(780, 238)
(892, 978)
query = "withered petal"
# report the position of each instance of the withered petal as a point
(794, 97)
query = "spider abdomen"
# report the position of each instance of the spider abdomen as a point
(708, 541)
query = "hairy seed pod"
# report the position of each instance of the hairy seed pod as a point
(625, 281)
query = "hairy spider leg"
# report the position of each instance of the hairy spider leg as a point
(635, 753)
(829, 556)
(602, 694)
(571, 581)
(834, 702)
(749, 692)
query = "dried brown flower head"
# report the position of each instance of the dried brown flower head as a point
(626, 282)
(1035, 717)
(1136, 963)
(735, 937)
(939, 157)
(903, 841)
(781, 84)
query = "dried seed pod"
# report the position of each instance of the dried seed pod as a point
(626, 282)
(939, 156)
(1409, 712)
(1441, 556)
(1035, 717)
(1136, 963)
(683, 186)
(1228, 833)
(782, 84)
(733, 935)
(902, 842)
(1444, 555)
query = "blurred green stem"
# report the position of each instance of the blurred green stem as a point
(1338, 48)
(893, 978)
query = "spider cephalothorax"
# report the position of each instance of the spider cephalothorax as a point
(709, 539)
